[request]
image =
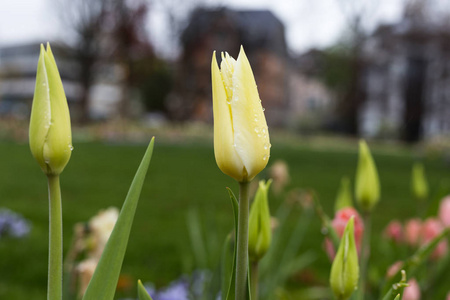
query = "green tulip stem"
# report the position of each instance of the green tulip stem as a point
(365, 253)
(254, 280)
(55, 260)
(242, 242)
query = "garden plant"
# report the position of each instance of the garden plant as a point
(262, 252)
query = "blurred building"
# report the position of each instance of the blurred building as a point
(18, 77)
(408, 77)
(282, 89)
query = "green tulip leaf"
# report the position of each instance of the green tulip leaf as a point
(142, 292)
(104, 281)
(227, 266)
(232, 276)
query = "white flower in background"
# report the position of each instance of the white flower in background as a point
(101, 227)
(85, 271)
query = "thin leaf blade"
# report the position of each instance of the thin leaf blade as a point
(104, 281)
(235, 205)
(142, 292)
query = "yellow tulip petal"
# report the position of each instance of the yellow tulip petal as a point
(251, 135)
(40, 112)
(226, 156)
(59, 141)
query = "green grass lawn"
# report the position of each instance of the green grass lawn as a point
(181, 177)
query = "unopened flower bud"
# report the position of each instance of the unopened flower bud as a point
(394, 231)
(413, 230)
(339, 224)
(345, 269)
(412, 291)
(431, 228)
(419, 183)
(367, 186)
(50, 133)
(241, 137)
(344, 197)
(260, 231)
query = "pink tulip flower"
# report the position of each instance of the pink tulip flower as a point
(444, 211)
(413, 230)
(394, 231)
(412, 292)
(339, 222)
(394, 269)
(430, 229)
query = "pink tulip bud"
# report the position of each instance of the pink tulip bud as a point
(412, 292)
(432, 228)
(394, 231)
(394, 269)
(339, 222)
(444, 211)
(413, 230)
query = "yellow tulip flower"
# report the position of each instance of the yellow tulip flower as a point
(241, 137)
(50, 133)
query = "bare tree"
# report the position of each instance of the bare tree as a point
(85, 20)
(107, 32)
(358, 15)
(130, 43)
(177, 13)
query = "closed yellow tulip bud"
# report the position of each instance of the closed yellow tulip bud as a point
(344, 273)
(50, 133)
(260, 231)
(419, 183)
(367, 185)
(241, 137)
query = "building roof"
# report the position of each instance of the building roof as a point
(257, 29)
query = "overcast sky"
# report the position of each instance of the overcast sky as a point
(308, 23)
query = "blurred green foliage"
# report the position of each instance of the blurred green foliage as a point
(181, 177)
(154, 82)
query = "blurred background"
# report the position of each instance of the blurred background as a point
(328, 72)
(369, 68)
